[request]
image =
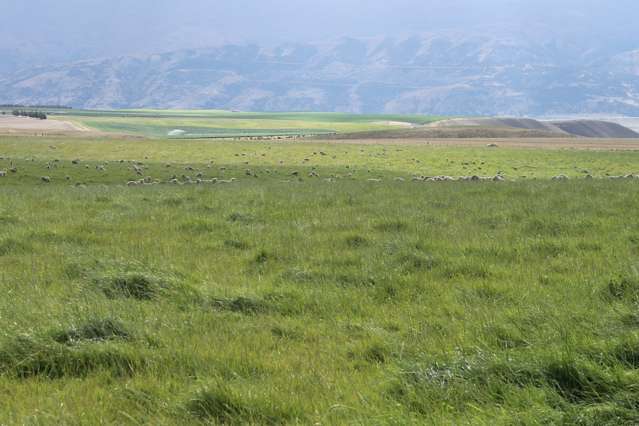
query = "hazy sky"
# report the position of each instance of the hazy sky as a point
(110, 27)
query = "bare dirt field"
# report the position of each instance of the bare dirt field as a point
(35, 127)
(495, 143)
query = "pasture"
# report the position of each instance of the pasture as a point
(319, 285)
(225, 124)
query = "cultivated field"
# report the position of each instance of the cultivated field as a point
(312, 282)
(224, 124)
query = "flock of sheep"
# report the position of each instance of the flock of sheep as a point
(140, 169)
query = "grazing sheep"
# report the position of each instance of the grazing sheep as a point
(3, 173)
(132, 183)
(560, 177)
(313, 174)
(499, 178)
(440, 179)
(45, 179)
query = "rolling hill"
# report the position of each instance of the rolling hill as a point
(467, 128)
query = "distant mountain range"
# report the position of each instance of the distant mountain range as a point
(442, 74)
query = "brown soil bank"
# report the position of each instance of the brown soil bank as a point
(596, 129)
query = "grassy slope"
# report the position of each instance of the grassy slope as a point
(311, 302)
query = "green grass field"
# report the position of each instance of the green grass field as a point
(283, 157)
(287, 299)
(220, 124)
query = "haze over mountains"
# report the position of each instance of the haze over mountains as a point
(438, 74)
(520, 59)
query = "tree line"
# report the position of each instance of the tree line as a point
(33, 114)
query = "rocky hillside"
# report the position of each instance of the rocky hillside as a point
(443, 74)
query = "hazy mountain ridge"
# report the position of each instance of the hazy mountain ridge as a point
(438, 74)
